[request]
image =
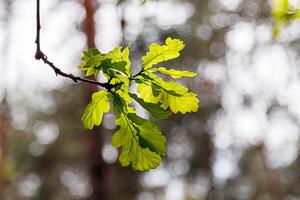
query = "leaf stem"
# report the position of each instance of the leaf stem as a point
(139, 73)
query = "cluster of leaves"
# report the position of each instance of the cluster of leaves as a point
(141, 140)
(283, 13)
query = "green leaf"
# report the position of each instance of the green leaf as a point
(171, 95)
(90, 59)
(159, 84)
(276, 29)
(124, 94)
(283, 13)
(117, 55)
(119, 78)
(139, 158)
(173, 72)
(149, 134)
(94, 111)
(89, 54)
(141, 142)
(146, 93)
(170, 87)
(154, 109)
(188, 102)
(110, 67)
(296, 14)
(280, 7)
(159, 53)
(115, 61)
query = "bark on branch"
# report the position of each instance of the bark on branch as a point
(39, 55)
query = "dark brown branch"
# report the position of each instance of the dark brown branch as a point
(38, 28)
(39, 55)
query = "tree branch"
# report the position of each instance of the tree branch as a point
(39, 55)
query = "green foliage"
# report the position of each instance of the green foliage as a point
(173, 72)
(94, 111)
(154, 109)
(283, 13)
(159, 53)
(141, 141)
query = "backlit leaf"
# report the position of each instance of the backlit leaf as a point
(283, 13)
(94, 111)
(153, 108)
(173, 72)
(159, 53)
(171, 95)
(188, 102)
(141, 142)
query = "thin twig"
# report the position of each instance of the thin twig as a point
(39, 55)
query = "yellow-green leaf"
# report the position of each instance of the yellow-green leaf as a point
(90, 59)
(280, 7)
(173, 72)
(171, 95)
(139, 158)
(188, 102)
(119, 55)
(94, 111)
(153, 108)
(159, 53)
(141, 142)
(283, 13)
(146, 93)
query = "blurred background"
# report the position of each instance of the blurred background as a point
(242, 144)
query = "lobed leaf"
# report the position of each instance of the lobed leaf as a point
(115, 61)
(94, 111)
(146, 93)
(173, 72)
(188, 102)
(171, 95)
(159, 53)
(118, 55)
(90, 59)
(153, 108)
(141, 141)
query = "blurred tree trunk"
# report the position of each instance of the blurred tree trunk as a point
(3, 131)
(268, 180)
(98, 169)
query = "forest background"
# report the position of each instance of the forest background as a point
(243, 143)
